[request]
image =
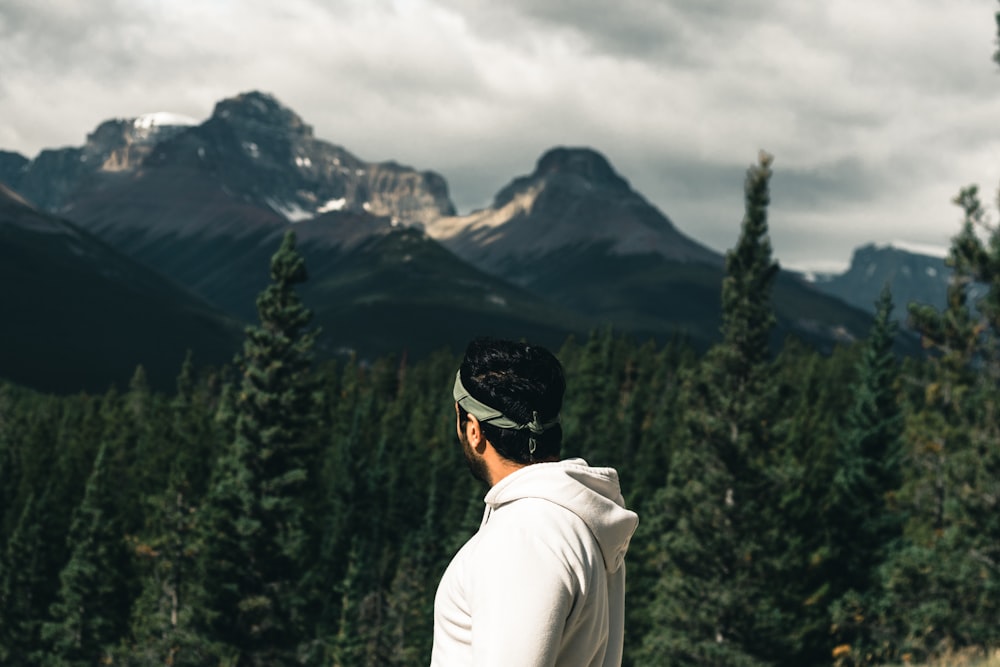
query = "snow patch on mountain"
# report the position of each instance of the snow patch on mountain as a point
(162, 119)
(291, 211)
(333, 205)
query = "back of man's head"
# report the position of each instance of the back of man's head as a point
(519, 380)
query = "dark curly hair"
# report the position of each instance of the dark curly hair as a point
(516, 379)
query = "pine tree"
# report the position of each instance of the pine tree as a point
(862, 521)
(22, 586)
(716, 519)
(590, 415)
(360, 604)
(162, 621)
(92, 607)
(811, 398)
(10, 466)
(253, 540)
(940, 589)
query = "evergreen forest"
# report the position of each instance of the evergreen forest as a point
(796, 509)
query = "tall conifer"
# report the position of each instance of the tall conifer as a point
(252, 521)
(863, 521)
(946, 575)
(715, 525)
(91, 611)
(23, 586)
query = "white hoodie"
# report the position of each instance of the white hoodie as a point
(543, 581)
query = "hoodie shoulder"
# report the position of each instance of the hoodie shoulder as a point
(592, 494)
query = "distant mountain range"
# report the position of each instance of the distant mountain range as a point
(561, 250)
(914, 275)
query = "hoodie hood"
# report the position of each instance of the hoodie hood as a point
(593, 494)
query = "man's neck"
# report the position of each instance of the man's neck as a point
(499, 468)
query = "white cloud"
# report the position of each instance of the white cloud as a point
(877, 112)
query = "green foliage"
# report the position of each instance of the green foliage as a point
(863, 522)
(21, 585)
(720, 550)
(939, 588)
(252, 524)
(92, 607)
(796, 509)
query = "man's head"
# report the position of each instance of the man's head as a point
(515, 391)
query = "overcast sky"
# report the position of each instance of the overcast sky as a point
(877, 112)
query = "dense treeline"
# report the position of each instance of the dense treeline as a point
(796, 509)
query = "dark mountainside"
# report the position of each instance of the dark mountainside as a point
(207, 205)
(573, 198)
(564, 250)
(574, 231)
(79, 315)
(913, 277)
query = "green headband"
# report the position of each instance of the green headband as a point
(488, 415)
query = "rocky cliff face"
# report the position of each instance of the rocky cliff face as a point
(912, 277)
(56, 176)
(259, 151)
(12, 165)
(265, 154)
(206, 204)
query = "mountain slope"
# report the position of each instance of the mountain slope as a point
(402, 290)
(574, 232)
(572, 199)
(259, 151)
(79, 315)
(913, 277)
(206, 205)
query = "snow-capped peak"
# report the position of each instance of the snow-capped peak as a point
(161, 119)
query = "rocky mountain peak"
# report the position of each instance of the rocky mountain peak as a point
(566, 172)
(110, 134)
(122, 144)
(12, 166)
(584, 163)
(261, 111)
(914, 273)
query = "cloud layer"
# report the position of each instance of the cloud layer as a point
(877, 112)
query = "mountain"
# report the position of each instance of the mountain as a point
(79, 316)
(566, 248)
(11, 167)
(207, 205)
(574, 232)
(403, 290)
(260, 152)
(191, 199)
(115, 148)
(573, 199)
(914, 275)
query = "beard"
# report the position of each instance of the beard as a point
(477, 466)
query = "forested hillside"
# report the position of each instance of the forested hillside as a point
(796, 509)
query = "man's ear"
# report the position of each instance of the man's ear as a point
(474, 434)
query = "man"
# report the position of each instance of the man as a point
(543, 580)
